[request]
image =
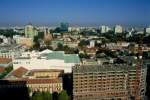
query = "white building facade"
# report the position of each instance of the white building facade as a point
(47, 60)
(105, 29)
(148, 30)
(118, 29)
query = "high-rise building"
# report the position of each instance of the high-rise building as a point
(148, 30)
(118, 29)
(30, 31)
(64, 26)
(104, 29)
(107, 82)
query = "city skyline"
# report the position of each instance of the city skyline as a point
(79, 12)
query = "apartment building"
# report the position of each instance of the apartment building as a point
(107, 82)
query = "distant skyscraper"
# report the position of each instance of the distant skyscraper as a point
(30, 31)
(104, 29)
(118, 29)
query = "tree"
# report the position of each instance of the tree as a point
(9, 69)
(36, 43)
(83, 43)
(37, 96)
(8, 32)
(83, 55)
(1, 40)
(55, 96)
(47, 96)
(63, 95)
(59, 46)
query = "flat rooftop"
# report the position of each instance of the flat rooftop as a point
(104, 68)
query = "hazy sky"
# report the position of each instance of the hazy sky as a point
(76, 12)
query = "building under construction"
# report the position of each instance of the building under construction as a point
(108, 82)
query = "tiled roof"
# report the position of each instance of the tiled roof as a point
(19, 72)
(5, 60)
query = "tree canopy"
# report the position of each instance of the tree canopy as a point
(63, 95)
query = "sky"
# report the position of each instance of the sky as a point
(75, 12)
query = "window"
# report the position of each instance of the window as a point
(16, 63)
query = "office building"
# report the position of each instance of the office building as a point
(104, 29)
(30, 31)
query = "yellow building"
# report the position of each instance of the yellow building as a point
(25, 41)
(36, 80)
(30, 31)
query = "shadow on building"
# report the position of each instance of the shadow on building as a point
(13, 90)
(148, 82)
(68, 83)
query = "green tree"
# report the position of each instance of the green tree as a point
(47, 96)
(84, 55)
(83, 43)
(36, 43)
(59, 46)
(9, 69)
(63, 95)
(37, 96)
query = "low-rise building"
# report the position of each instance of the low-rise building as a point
(36, 80)
(10, 51)
(47, 60)
(24, 41)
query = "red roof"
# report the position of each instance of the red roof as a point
(5, 60)
(19, 72)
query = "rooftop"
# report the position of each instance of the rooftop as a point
(5, 60)
(18, 73)
(103, 68)
(60, 55)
